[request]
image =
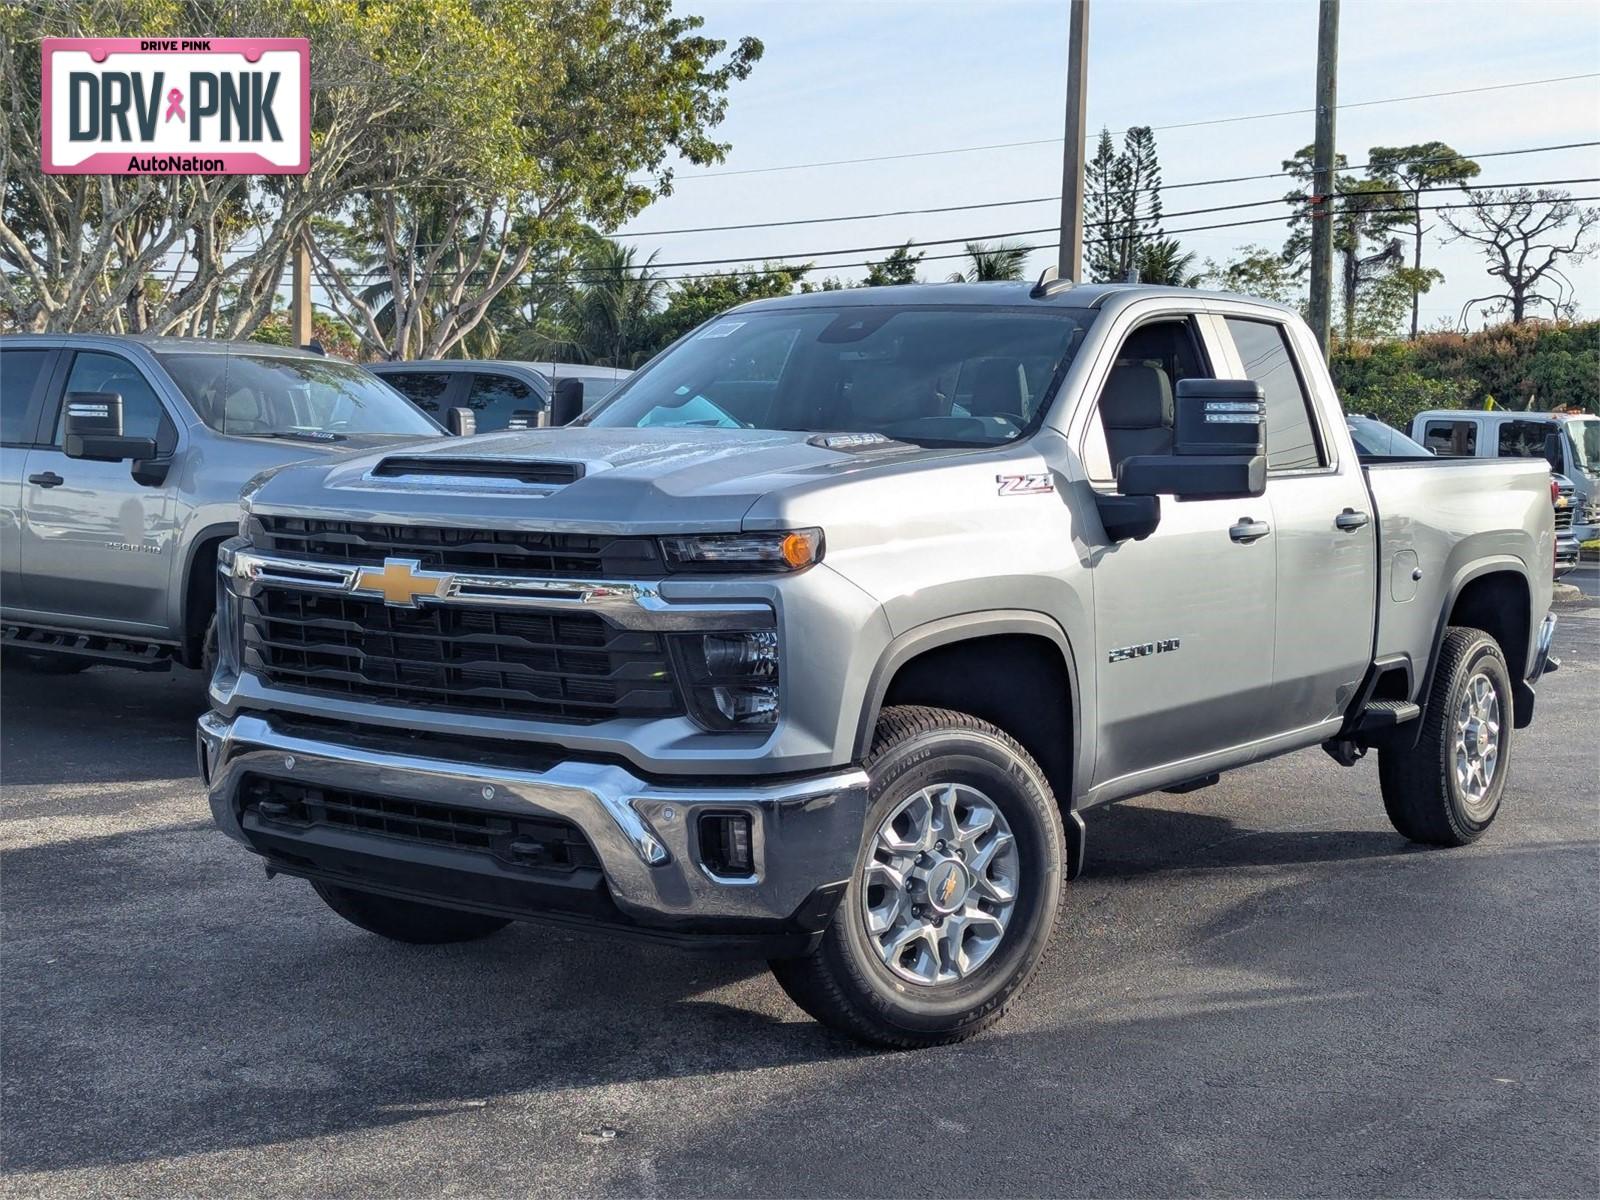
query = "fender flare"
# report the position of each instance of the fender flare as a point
(1475, 569)
(966, 627)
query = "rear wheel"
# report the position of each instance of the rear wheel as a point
(955, 891)
(407, 920)
(1446, 790)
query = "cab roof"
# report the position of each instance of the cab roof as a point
(1017, 294)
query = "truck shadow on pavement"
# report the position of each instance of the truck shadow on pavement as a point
(164, 999)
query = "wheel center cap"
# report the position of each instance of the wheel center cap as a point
(948, 884)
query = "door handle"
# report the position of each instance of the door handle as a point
(1247, 530)
(1350, 520)
(46, 479)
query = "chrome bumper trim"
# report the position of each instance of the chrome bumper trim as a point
(628, 604)
(805, 832)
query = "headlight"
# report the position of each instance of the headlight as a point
(780, 550)
(247, 493)
(730, 679)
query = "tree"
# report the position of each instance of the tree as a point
(899, 267)
(460, 139)
(1413, 169)
(695, 301)
(572, 102)
(1163, 261)
(1122, 203)
(1256, 271)
(1005, 261)
(607, 318)
(1104, 185)
(1362, 212)
(1524, 235)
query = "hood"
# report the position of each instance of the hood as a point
(598, 480)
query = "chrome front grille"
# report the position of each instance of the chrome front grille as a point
(573, 667)
(479, 551)
(1564, 511)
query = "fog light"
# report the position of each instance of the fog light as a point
(730, 679)
(725, 845)
(753, 654)
(747, 705)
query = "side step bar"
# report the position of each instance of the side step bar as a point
(1382, 715)
(122, 652)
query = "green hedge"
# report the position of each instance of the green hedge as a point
(1538, 366)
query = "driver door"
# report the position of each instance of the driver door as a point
(97, 545)
(1184, 618)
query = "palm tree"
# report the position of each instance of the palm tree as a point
(1004, 261)
(1162, 260)
(608, 317)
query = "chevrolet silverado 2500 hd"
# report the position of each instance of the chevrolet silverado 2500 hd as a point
(120, 471)
(818, 636)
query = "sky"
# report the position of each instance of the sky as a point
(874, 78)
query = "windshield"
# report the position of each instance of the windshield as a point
(1377, 440)
(933, 376)
(269, 395)
(1585, 439)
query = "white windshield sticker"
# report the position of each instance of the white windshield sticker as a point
(722, 329)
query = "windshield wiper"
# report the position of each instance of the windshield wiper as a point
(299, 435)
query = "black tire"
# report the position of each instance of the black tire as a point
(44, 663)
(844, 983)
(1422, 794)
(406, 920)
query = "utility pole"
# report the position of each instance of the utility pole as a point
(1069, 261)
(1322, 185)
(300, 297)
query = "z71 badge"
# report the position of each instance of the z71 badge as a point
(1025, 485)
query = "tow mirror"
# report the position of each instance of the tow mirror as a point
(1218, 445)
(567, 403)
(93, 430)
(461, 422)
(526, 418)
(1552, 453)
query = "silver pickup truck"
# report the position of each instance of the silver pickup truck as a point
(121, 461)
(819, 636)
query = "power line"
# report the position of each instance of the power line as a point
(1288, 112)
(1166, 187)
(991, 237)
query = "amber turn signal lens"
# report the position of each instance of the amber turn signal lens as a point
(800, 549)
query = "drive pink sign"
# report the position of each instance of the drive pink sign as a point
(177, 106)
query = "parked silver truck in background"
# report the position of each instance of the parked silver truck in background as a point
(819, 636)
(109, 532)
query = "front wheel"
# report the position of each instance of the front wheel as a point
(406, 920)
(955, 890)
(1446, 790)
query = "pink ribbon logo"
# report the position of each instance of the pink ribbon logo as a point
(175, 105)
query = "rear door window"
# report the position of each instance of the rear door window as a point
(1451, 439)
(495, 398)
(21, 375)
(1292, 442)
(426, 389)
(1522, 439)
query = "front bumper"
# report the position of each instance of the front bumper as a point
(1568, 552)
(805, 833)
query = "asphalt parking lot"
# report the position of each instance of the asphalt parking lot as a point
(1259, 989)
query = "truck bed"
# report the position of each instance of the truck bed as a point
(1442, 521)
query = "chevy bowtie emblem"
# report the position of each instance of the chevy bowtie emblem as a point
(401, 582)
(949, 889)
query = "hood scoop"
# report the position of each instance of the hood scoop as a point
(479, 470)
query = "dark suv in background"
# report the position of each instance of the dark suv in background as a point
(498, 394)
